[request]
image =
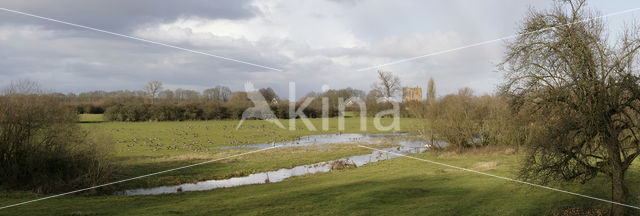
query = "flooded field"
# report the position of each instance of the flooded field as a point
(401, 144)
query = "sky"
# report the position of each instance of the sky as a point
(313, 43)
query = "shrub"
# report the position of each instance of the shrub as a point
(191, 111)
(42, 149)
(213, 111)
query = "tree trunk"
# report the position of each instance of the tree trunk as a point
(431, 137)
(619, 193)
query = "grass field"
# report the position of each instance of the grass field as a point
(146, 147)
(394, 187)
(177, 138)
(398, 186)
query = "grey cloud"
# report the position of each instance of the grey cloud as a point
(73, 60)
(123, 15)
(74, 64)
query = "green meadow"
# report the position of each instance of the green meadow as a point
(146, 147)
(398, 186)
(177, 138)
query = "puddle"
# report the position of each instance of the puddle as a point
(400, 146)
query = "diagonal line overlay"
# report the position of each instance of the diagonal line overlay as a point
(492, 41)
(140, 39)
(138, 177)
(503, 178)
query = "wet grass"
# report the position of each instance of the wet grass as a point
(148, 147)
(269, 160)
(177, 138)
(398, 186)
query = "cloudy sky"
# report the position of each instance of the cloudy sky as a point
(312, 42)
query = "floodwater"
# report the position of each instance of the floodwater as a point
(321, 139)
(401, 146)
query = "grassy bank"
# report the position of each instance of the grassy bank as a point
(399, 186)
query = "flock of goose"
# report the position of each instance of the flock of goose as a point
(199, 138)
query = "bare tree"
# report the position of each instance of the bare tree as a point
(190, 95)
(166, 95)
(239, 98)
(431, 91)
(24, 87)
(224, 93)
(152, 89)
(219, 93)
(268, 94)
(185, 95)
(210, 94)
(388, 86)
(458, 119)
(373, 95)
(431, 109)
(583, 90)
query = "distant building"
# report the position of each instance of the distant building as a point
(411, 94)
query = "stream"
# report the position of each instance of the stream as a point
(401, 146)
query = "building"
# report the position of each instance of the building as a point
(411, 94)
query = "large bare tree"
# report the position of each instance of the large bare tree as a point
(24, 87)
(152, 89)
(388, 85)
(563, 69)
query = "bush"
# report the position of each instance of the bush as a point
(42, 149)
(191, 111)
(464, 120)
(89, 109)
(215, 111)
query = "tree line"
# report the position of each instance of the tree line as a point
(154, 103)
